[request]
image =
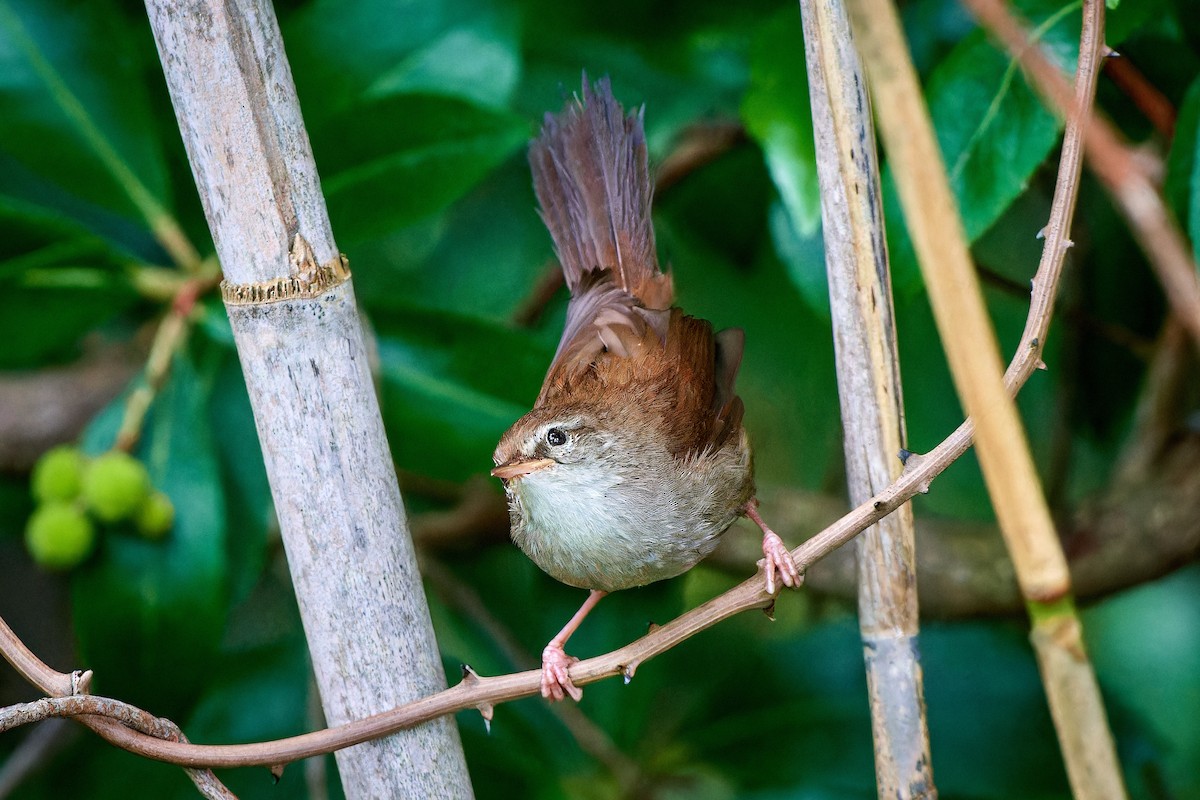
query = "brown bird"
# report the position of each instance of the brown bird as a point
(633, 461)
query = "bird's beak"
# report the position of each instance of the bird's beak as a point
(518, 469)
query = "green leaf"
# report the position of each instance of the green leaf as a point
(992, 129)
(57, 282)
(417, 155)
(1128, 19)
(777, 115)
(74, 105)
(452, 386)
(149, 615)
(375, 48)
(474, 259)
(804, 256)
(1183, 166)
(662, 57)
(477, 63)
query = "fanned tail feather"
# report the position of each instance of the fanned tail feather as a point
(592, 180)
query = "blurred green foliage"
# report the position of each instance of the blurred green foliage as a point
(418, 112)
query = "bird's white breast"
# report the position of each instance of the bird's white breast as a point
(604, 528)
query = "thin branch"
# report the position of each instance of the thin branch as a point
(698, 146)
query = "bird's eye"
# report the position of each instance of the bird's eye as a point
(555, 437)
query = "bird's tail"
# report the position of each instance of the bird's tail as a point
(591, 177)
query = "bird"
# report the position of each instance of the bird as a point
(633, 460)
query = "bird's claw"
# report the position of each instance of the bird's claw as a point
(777, 558)
(556, 681)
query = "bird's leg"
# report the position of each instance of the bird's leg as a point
(775, 553)
(556, 682)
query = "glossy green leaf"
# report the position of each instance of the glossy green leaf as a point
(375, 48)
(777, 115)
(452, 386)
(481, 258)
(992, 129)
(57, 282)
(804, 256)
(149, 615)
(476, 64)
(75, 108)
(684, 61)
(418, 154)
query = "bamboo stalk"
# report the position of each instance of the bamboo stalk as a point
(300, 342)
(869, 387)
(971, 349)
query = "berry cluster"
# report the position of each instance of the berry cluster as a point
(72, 489)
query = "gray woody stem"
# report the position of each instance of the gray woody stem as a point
(327, 457)
(868, 371)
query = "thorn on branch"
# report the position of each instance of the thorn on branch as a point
(911, 463)
(628, 671)
(904, 455)
(486, 710)
(276, 773)
(1041, 234)
(1108, 52)
(769, 610)
(81, 681)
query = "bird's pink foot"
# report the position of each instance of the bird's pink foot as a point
(556, 682)
(776, 556)
(778, 559)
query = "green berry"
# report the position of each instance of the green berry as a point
(115, 485)
(156, 516)
(58, 474)
(59, 536)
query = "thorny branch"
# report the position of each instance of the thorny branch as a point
(483, 692)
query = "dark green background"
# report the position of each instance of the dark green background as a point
(418, 114)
